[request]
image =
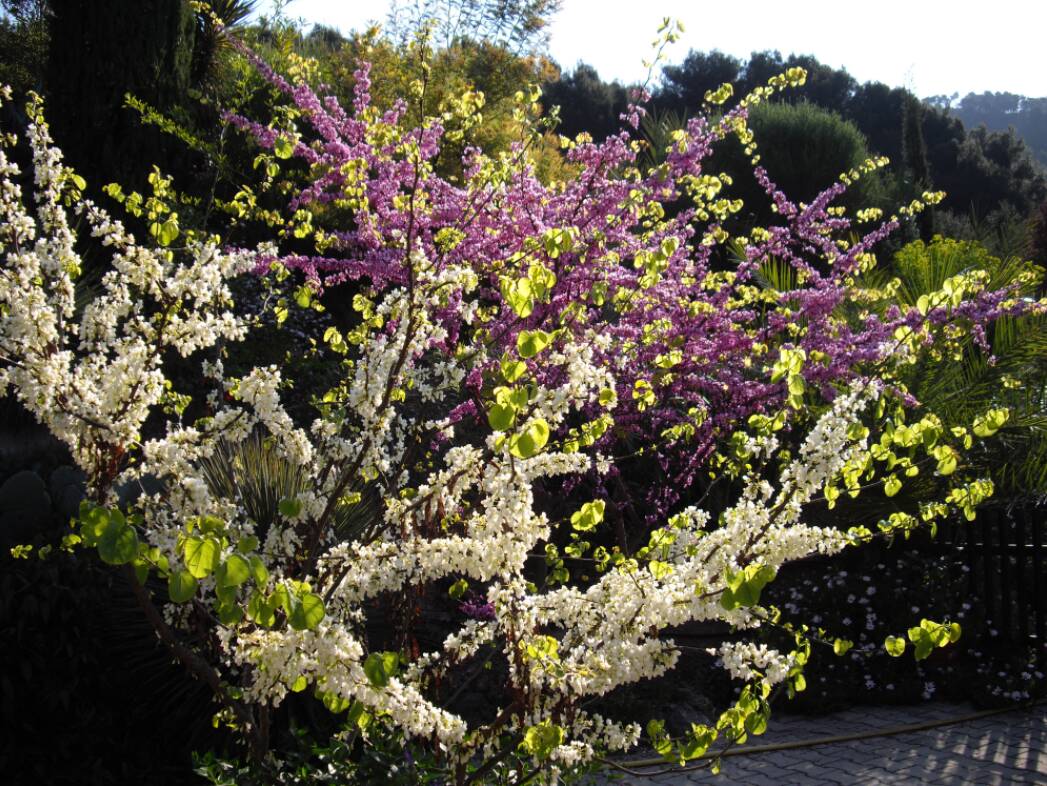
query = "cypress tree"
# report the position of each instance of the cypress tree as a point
(99, 53)
(914, 154)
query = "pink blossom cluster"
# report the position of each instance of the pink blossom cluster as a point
(697, 313)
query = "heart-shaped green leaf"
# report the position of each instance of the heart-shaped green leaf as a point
(233, 572)
(290, 507)
(283, 147)
(307, 613)
(259, 572)
(118, 544)
(501, 416)
(201, 556)
(380, 667)
(531, 440)
(895, 646)
(181, 586)
(261, 611)
(530, 342)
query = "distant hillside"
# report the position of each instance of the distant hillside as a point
(1000, 111)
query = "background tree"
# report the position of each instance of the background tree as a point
(683, 86)
(914, 156)
(142, 47)
(826, 86)
(988, 170)
(987, 175)
(468, 66)
(329, 38)
(1001, 111)
(877, 109)
(517, 25)
(803, 147)
(586, 102)
(23, 44)
(1038, 240)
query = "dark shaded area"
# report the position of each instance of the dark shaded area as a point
(586, 102)
(985, 574)
(87, 693)
(142, 47)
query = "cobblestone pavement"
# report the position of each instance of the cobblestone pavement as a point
(1009, 748)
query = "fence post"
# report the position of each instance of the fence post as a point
(1038, 588)
(1021, 559)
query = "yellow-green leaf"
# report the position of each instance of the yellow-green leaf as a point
(307, 613)
(201, 556)
(380, 667)
(283, 147)
(501, 417)
(531, 440)
(181, 586)
(530, 342)
(233, 572)
(892, 486)
(542, 739)
(590, 515)
(895, 646)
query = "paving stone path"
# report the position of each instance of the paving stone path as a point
(1008, 748)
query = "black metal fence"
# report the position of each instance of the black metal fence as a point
(1005, 550)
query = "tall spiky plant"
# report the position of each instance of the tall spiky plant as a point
(213, 18)
(255, 473)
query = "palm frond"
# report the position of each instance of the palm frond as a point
(777, 274)
(965, 381)
(233, 13)
(656, 128)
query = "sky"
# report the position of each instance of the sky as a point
(932, 47)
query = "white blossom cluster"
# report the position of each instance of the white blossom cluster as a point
(749, 662)
(92, 378)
